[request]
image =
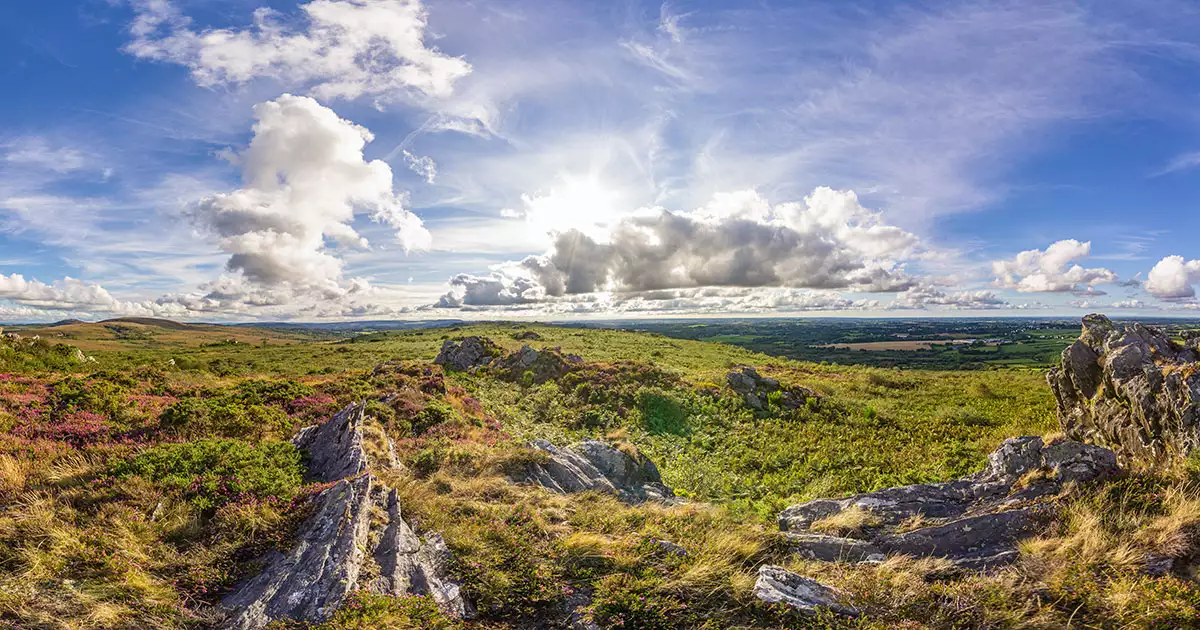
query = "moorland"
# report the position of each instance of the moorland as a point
(147, 466)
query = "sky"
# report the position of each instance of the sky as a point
(239, 160)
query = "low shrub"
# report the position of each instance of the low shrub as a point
(213, 472)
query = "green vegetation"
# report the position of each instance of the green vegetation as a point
(213, 473)
(137, 488)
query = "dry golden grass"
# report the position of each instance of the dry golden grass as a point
(14, 473)
(852, 522)
(1174, 533)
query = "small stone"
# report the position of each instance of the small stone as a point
(777, 585)
(669, 547)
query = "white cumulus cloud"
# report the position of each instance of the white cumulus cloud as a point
(830, 241)
(71, 294)
(304, 180)
(1172, 278)
(1052, 271)
(924, 296)
(344, 48)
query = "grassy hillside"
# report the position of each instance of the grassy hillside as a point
(137, 488)
(156, 334)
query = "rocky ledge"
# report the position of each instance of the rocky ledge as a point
(1134, 390)
(973, 522)
(595, 465)
(355, 539)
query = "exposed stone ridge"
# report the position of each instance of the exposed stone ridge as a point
(595, 465)
(757, 391)
(472, 353)
(356, 538)
(975, 522)
(1134, 390)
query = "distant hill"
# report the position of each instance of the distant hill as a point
(65, 322)
(115, 333)
(154, 322)
(355, 326)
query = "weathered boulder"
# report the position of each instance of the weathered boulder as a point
(669, 548)
(777, 585)
(355, 538)
(975, 522)
(756, 390)
(468, 353)
(542, 365)
(1134, 390)
(595, 465)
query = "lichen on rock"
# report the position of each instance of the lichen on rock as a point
(1134, 390)
(355, 539)
(974, 522)
(595, 465)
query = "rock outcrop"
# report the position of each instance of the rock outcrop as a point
(472, 353)
(757, 390)
(541, 365)
(1133, 390)
(468, 353)
(974, 522)
(594, 465)
(777, 585)
(355, 538)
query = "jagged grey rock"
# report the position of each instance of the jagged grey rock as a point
(356, 538)
(756, 390)
(541, 365)
(335, 447)
(777, 585)
(412, 565)
(975, 522)
(969, 538)
(594, 465)
(472, 353)
(468, 353)
(1133, 390)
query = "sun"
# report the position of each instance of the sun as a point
(580, 203)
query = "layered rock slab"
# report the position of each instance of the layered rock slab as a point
(355, 539)
(1132, 389)
(974, 522)
(595, 465)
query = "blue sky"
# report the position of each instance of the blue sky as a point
(333, 159)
